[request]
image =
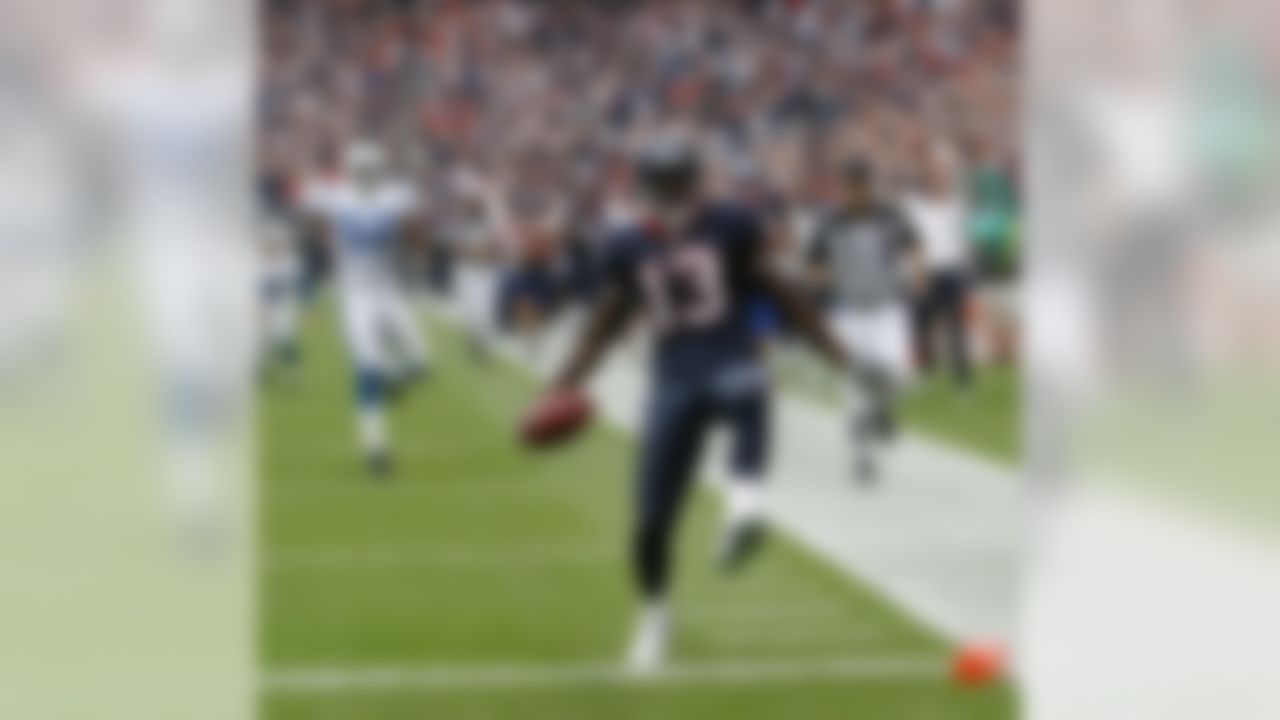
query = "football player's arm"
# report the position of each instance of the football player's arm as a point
(797, 309)
(613, 310)
(801, 313)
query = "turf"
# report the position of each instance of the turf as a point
(481, 554)
(984, 419)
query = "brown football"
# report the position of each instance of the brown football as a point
(556, 417)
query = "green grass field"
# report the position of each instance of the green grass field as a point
(480, 555)
(985, 419)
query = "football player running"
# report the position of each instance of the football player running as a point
(476, 231)
(860, 255)
(370, 218)
(693, 267)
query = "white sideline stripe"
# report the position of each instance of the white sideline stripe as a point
(328, 679)
(941, 539)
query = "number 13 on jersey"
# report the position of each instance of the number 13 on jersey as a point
(685, 289)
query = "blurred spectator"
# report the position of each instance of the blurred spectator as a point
(937, 214)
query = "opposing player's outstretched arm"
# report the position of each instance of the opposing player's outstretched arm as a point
(802, 315)
(606, 322)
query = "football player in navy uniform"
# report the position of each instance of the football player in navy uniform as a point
(694, 267)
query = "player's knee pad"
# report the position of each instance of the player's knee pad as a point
(371, 387)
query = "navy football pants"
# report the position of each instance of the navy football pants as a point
(679, 417)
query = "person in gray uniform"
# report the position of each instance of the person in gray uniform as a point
(864, 259)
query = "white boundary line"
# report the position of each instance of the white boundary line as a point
(942, 542)
(341, 679)
(377, 558)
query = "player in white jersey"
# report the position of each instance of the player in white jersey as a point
(473, 233)
(370, 219)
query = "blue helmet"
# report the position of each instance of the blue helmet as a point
(669, 169)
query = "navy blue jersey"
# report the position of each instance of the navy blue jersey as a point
(696, 286)
(532, 284)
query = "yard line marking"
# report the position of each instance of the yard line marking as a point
(788, 633)
(376, 558)
(331, 679)
(730, 611)
(492, 487)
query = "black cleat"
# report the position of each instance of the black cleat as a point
(742, 541)
(380, 465)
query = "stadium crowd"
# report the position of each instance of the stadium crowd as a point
(544, 100)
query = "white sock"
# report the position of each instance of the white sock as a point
(745, 500)
(373, 429)
(649, 645)
(655, 612)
